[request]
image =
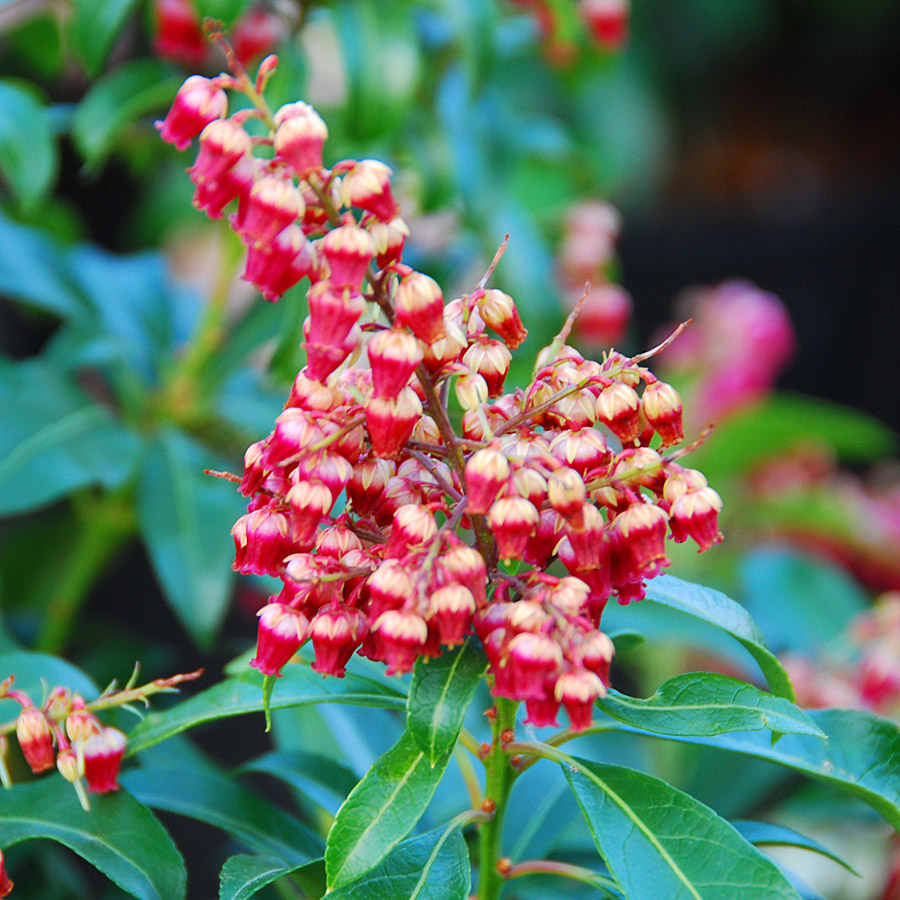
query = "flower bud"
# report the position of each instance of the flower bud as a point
(67, 765)
(413, 526)
(198, 102)
(637, 543)
(498, 310)
(490, 359)
(662, 409)
(6, 884)
(582, 449)
(577, 690)
(273, 204)
(348, 250)
(513, 520)
(394, 355)
(471, 390)
(300, 134)
(389, 586)
(275, 268)
(390, 421)
(400, 636)
(368, 186)
(336, 633)
(607, 21)
(530, 658)
(619, 409)
(102, 756)
(487, 472)
(567, 494)
(451, 608)
(35, 739)
(465, 565)
(389, 238)
(222, 143)
(695, 514)
(262, 541)
(310, 501)
(368, 483)
(420, 306)
(281, 632)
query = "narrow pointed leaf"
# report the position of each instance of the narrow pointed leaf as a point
(706, 703)
(858, 756)
(381, 810)
(725, 614)
(660, 842)
(765, 834)
(243, 875)
(439, 697)
(298, 686)
(185, 519)
(219, 801)
(433, 866)
(119, 836)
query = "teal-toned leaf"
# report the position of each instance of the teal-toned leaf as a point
(298, 686)
(439, 697)
(210, 797)
(319, 777)
(659, 842)
(723, 613)
(800, 602)
(433, 866)
(626, 639)
(185, 519)
(765, 834)
(859, 755)
(242, 876)
(706, 703)
(93, 28)
(784, 420)
(29, 159)
(116, 101)
(119, 836)
(381, 810)
(54, 439)
(33, 270)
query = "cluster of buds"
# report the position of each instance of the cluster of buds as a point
(65, 733)
(180, 37)
(399, 524)
(740, 341)
(586, 256)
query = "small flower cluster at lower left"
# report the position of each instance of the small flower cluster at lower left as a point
(64, 731)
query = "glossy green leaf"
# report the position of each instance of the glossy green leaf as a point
(439, 697)
(381, 810)
(705, 703)
(54, 439)
(433, 866)
(859, 755)
(626, 639)
(29, 158)
(210, 797)
(119, 836)
(659, 842)
(33, 270)
(242, 876)
(765, 834)
(185, 519)
(316, 775)
(714, 608)
(298, 686)
(94, 26)
(115, 102)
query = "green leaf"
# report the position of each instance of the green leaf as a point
(226, 11)
(185, 519)
(242, 876)
(93, 28)
(660, 842)
(116, 101)
(298, 686)
(381, 810)
(626, 639)
(439, 697)
(33, 270)
(54, 439)
(209, 797)
(433, 866)
(725, 614)
(858, 756)
(29, 158)
(705, 703)
(765, 834)
(119, 836)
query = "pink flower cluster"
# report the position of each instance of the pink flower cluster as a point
(740, 341)
(64, 734)
(452, 515)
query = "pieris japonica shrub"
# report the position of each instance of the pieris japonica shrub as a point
(448, 548)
